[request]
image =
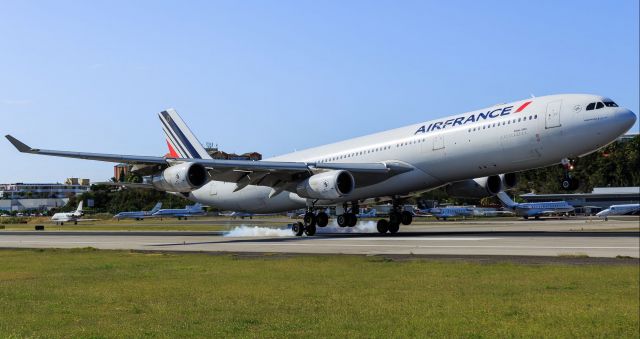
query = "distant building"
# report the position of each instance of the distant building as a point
(39, 196)
(120, 171)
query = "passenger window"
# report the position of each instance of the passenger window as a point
(591, 106)
(599, 105)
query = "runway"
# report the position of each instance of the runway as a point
(557, 238)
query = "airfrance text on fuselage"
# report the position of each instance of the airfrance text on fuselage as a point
(464, 120)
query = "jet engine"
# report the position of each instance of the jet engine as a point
(327, 185)
(184, 178)
(475, 188)
(509, 180)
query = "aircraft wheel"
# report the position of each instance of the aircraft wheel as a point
(310, 219)
(75, 222)
(406, 217)
(342, 220)
(310, 230)
(352, 219)
(62, 223)
(537, 217)
(383, 226)
(568, 184)
(298, 228)
(526, 217)
(394, 228)
(323, 219)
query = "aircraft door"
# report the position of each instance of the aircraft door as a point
(552, 118)
(438, 142)
(213, 190)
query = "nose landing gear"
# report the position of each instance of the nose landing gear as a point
(568, 183)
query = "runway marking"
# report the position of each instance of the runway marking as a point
(436, 246)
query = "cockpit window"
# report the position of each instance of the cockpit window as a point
(591, 106)
(610, 104)
(599, 105)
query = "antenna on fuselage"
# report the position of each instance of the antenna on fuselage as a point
(532, 96)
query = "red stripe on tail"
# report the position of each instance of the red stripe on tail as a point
(172, 152)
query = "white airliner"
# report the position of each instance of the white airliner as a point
(626, 209)
(535, 209)
(61, 218)
(468, 151)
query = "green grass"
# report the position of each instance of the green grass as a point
(90, 293)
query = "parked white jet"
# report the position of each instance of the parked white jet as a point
(62, 217)
(482, 144)
(627, 209)
(534, 209)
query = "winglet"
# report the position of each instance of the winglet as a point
(19, 145)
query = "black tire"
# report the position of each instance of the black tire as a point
(395, 218)
(352, 219)
(566, 184)
(62, 224)
(310, 230)
(310, 219)
(298, 228)
(75, 222)
(394, 228)
(383, 226)
(406, 217)
(322, 219)
(526, 217)
(537, 217)
(342, 220)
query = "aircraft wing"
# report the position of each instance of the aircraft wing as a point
(281, 174)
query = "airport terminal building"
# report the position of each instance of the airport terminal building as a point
(40, 196)
(599, 199)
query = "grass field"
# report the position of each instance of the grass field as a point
(89, 293)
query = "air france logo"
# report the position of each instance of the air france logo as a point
(463, 120)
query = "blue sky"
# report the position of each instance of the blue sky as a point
(275, 76)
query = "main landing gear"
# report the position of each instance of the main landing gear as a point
(396, 217)
(349, 218)
(311, 220)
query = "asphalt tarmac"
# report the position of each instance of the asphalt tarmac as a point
(551, 237)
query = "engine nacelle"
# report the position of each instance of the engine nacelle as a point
(184, 178)
(475, 188)
(327, 185)
(509, 180)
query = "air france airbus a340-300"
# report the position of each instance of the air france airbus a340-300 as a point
(474, 151)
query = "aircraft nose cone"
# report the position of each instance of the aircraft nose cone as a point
(627, 118)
